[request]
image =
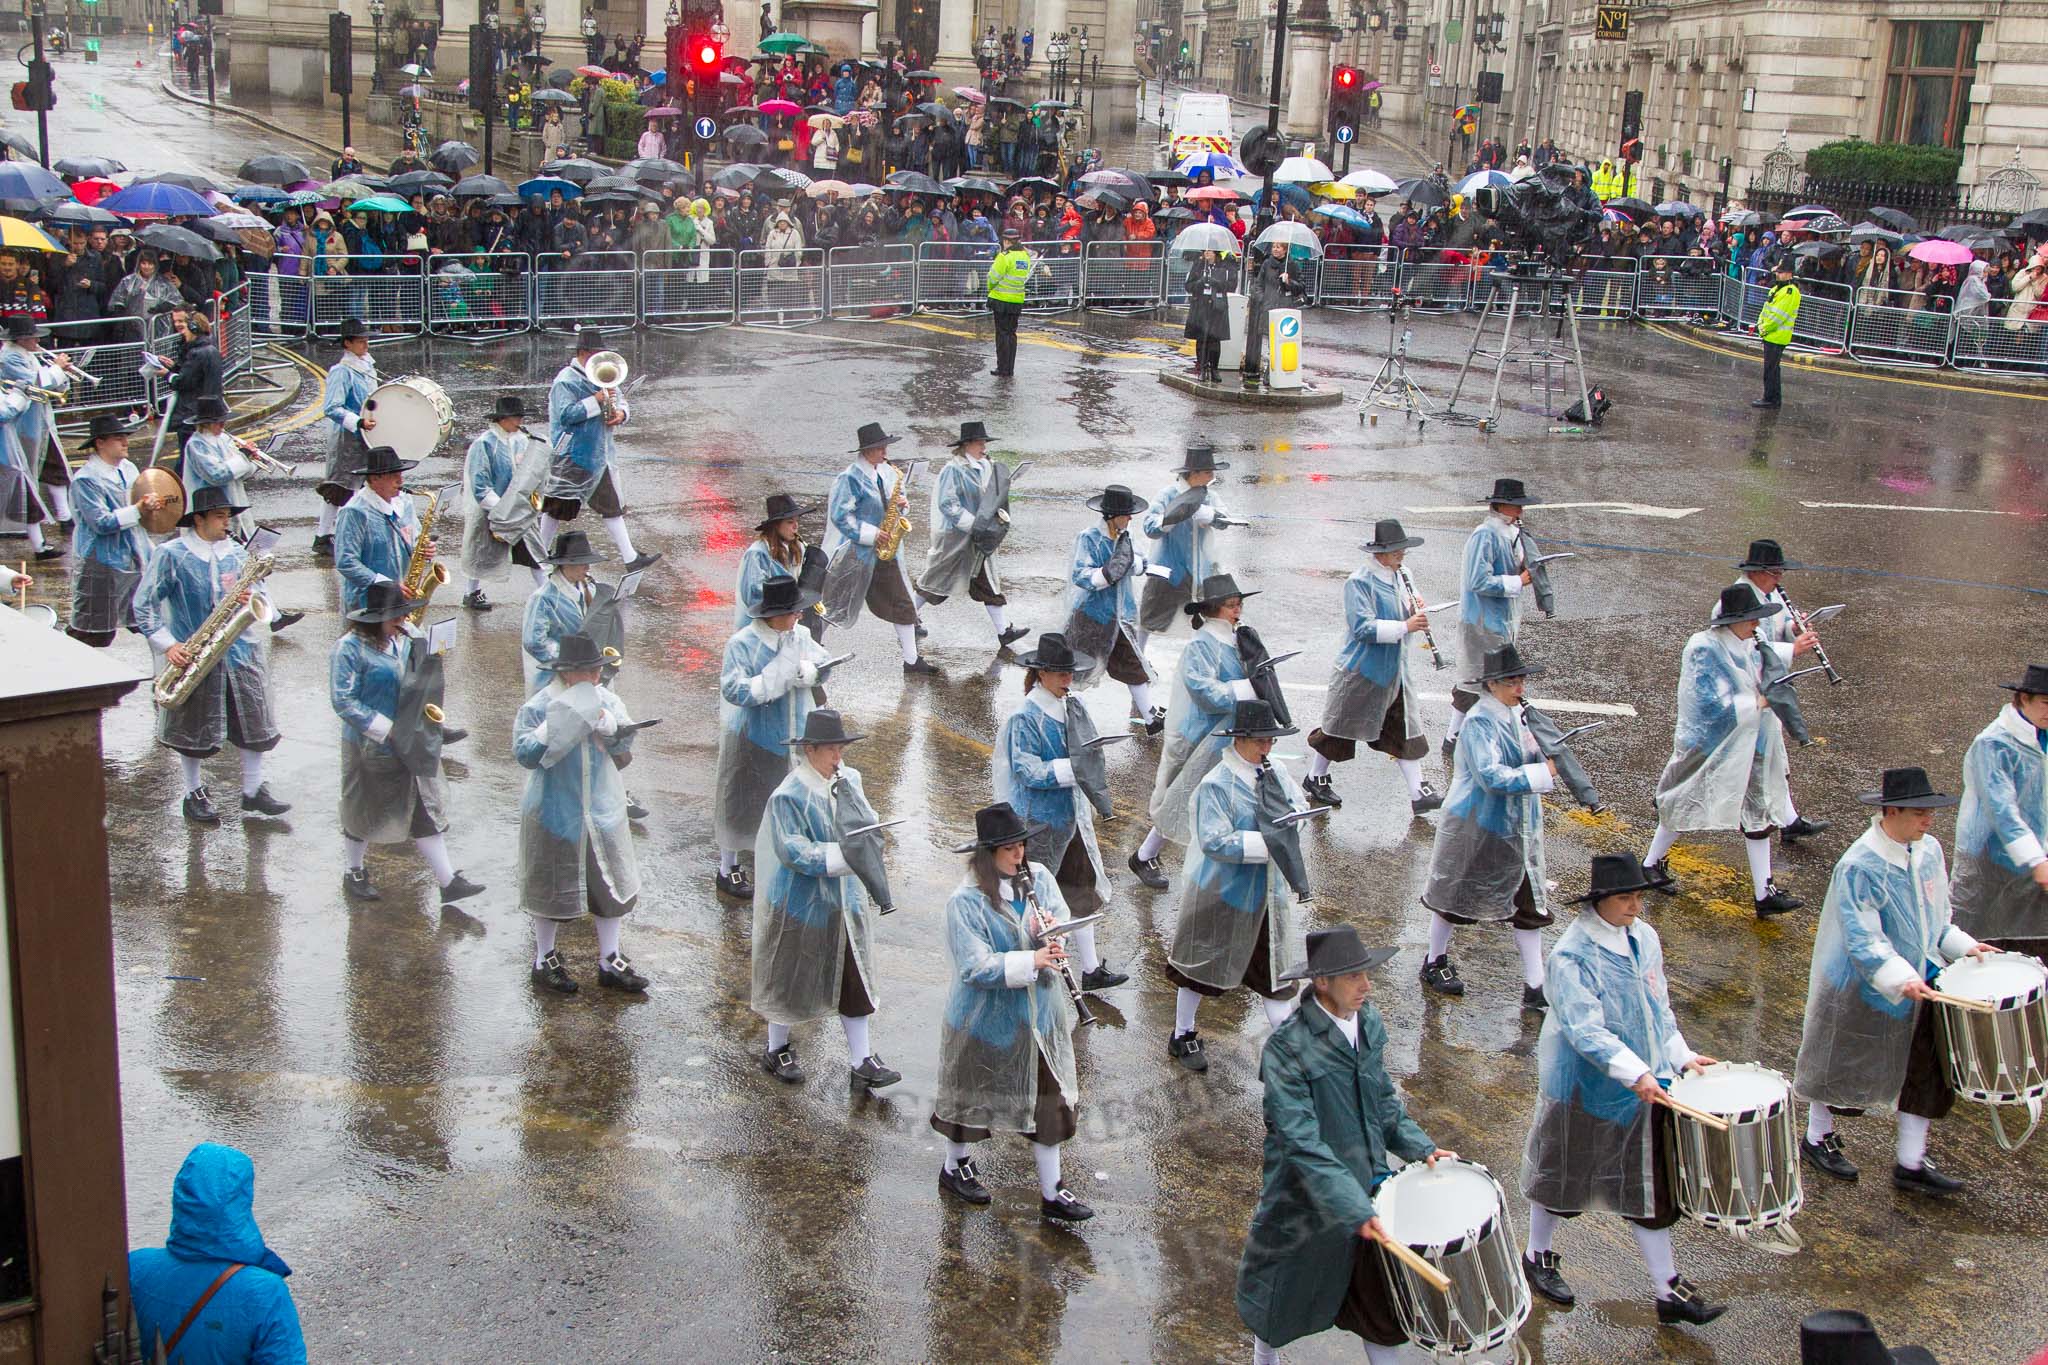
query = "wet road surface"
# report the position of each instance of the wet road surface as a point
(461, 1170)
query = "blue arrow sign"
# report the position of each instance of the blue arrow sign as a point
(1346, 133)
(1290, 326)
(706, 127)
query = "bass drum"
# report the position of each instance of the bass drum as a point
(413, 416)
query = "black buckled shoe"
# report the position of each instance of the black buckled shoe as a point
(1541, 1270)
(323, 547)
(49, 552)
(476, 601)
(923, 668)
(1429, 800)
(872, 1074)
(964, 1182)
(1148, 872)
(1925, 1180)
(1440, 974)
(1661, 879)
(1321, 791)
(1005, 639)
(1102, 978)
(261, 802)
(551, 975)
(1827, 1156)
(1450, 750)
(1186, 1048)
(634, 810)
(460, 888)
(1776, 902)
(199, 808)
(1064, 1208)
(1802, 828)
(1533, 998)
(616, 973)
(780, 1063)
(1156, 722)
(1686, 1304)
(453, 734)
(736, 884)
(285, 620)
(356, 886)
(643, 560)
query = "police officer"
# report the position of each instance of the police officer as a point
(1774, 326)
(1007, 276)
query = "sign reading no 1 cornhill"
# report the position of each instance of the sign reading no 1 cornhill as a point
(1611, 21)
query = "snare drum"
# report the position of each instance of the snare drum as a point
(1455, 1217)
(1998, 1058)
(413, 416)
(1747, 1178)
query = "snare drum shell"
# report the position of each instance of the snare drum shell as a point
(1996, 1058)
(1462, 1229)
(1747, 1177)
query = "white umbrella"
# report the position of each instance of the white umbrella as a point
(1302, 170)
(1205, 237)
(1369, 182)
(1290, 235)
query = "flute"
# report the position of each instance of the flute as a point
(1820, 650)
(1040, 922)
(1415, 604)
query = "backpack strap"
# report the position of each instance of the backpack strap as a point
(192, 1313)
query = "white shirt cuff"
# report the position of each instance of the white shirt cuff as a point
(1242, 690)
(1018, 970)
(162, 639)
(1679, 1051)
(1745, 707)
(1511, 584)
(1781, 648)
(379, 728)
(1255, 847)
(1096, 580)
(592, 406)
(868, 531)
(131, 515)
(757, 688)
(488, 501)
(1955, 943)
(964, 522)
(1891, 978)
(835, 861)
(351, 421)
(540, 731)
(1390, 632)
(1204, 514)
(2025, 851)
(240, 466)
(1159, 571)
(1063, 771)
(1541, 781)
(1626, 1067)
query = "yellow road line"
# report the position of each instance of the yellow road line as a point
(306, 416)
(1820, 363)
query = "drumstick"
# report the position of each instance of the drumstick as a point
(1699, 1116)
(23, 589)
(1429, 1274)
(1964, 1002)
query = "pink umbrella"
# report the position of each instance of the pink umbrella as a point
(781, 108)
(1939, 251)
(970, 94)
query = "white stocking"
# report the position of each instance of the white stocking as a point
(1048, 1159)
(1382, 1355)
(1141, 700)
(475, 585)
(1543, 1225)
(60, 502)
(1185, 1003)
(1149, 849)
(996, 617)
(728, 859)
(1657, 1257)
(1318, 765)
(1277, 1010)
(353, 852)
(188, 766)
(35, 537)
(1457, 723)
(325, 526)
(778, 1037)
(544, 931)
(549, 529)
(1529, 943)
(1082, 944)
(856, 1030)
(1759, 851)
(1262, 1354)
(956, 1152)
(607, 936)
(1819, 1122)
(1439, 936)
(435, 850)
(252, 771)
(1913, 1140)
(1660, 844)
(622, 540)
(1411, 773)
(906, 640)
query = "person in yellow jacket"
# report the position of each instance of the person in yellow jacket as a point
(1008, 274)
(1606, 180)
(1774, 325)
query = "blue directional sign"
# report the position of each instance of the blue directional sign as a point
(1346, 133)
(1290, 327)
(706, 127)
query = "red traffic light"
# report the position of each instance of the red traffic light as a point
(1346, 77)
(705, 56)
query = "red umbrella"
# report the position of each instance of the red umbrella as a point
(596, 73)
(92, 189)
(781, 108)
(1213, 194)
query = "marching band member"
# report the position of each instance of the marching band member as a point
(486, 473)
(1236, 923)
(1312, 1260)
(1727, 768)
(110, 544)
(1487, 863)
(1786, 636)
(374, 535)
(1209, 682)
(1006, 1050)
(1102, 621)
(776, 552)
(955, 562)
(814, 947)
(349, 385)
(383, 802)
(1602, 1137)
(1184, 547)
(213, 460)
(764, 688)
(1490, 606)
(1372, 692)
(1033, 773)
(2000, 889)
(556, 609)
(28, 436)
(581, 419)
(860, 501)
(184, 581)
(1869, 1037)
(576, 852)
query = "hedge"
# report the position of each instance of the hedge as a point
(1884, 163)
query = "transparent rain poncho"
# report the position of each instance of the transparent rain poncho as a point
(957, 500)
(1886, 922)
(377, 791)
(1375, 665)
(181, 584)
(1590, 1147)
(805, 915)
(581, 440)
(1229, 883)
(1001, 1014)
(854, 509)
(1489, 839)
(1999, 832)
(757, 567)
(762, 705)
(486, 473)
(1489, 611)
(1032, 768)
(1096, 615)
(575, 847)
(1727, 768)
(1206, 689)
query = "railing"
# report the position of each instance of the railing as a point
(481, 295)
(1885, 329)
(1124, 277)
(1358, 278)
(233, 332)
(688, 290)
(1677, 287)
(596, 289)
(111, 352)
(387, 294)
(871, 283)
(782, 288)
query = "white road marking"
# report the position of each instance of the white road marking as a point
(1627, 509)
(1908, 507)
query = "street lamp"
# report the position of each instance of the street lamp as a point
(589, 25)
(376, 44)
(537, 20)
(720, 34)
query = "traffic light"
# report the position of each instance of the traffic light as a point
(1345, 80)
(39, 91)
(1346, 88)
(483, 66)
(341, 64)
(705, 57)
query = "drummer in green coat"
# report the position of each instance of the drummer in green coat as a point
(1333, 1117)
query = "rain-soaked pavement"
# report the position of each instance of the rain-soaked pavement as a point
(460, 1170)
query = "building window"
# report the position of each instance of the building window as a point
(1927, 83)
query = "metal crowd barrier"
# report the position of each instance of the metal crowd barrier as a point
(390, 299)
(111, 351)
(1439, 280)
(782, 288)
(1823, 321)
(480, 296)
(1123, 277)
(871, 283)
(1358, 278)
(1682, 287)
(232, 332)
(952, 277)
(1055, 286)
(1884, 331)
(279, 305)
(684, 291)
(2004, 345)
(600, 289)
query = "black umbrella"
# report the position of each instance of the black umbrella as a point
(1169, 178)
(480, 187)
(560, 79)
(745, 135)
(922, 76)
(1422, 191)
(738, 176)
(1033, 182)
(973, 184)
(1103, 197)
(2032, 223)
(617, 184)
(741, 111)
(914, 182)
(79, 167)
(1818, 249)
(273, 169)
(1871, 232)
(75, 214)
(454, 157)
(574, 168)
(1004, 102)
(1129, 183)
(608, 199)
(198, 184)
(177, 240)
(1176, 213)
(413, 182)
(216, 231)
(1895, 219)
(1629, 207)
(1973, 236)
(935, 109)
(912, 120)
(507, 200)
(655, 170)
(554, 96)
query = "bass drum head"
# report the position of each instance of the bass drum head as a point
(2002, 976)
(1730, 1088)
(1424, 1207)
(40, 615)
(414, 416)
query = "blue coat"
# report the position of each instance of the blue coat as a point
(554, 611)
(1206, 689)
(1117, 602)
(1030, 768)
(362, 686)
(215, 461)
(573, 812)
(177, 594)
(1490, 837)
(1187, 548)
(250, 1320)
(757, 567)
(854, 512)
(2000, 830)
(809, 910)
(1373, 664)
(108, 527)
(1230, 884)
(372, 544)
(575, 428)
(28, 435)
(1489, 610)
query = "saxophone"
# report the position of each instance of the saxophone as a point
(208, 645)
(422, 573)
(895, 523)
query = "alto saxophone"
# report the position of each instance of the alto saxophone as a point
(422, 573)
(895, 523)
(208, 645)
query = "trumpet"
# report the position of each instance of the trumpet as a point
(72, 367)
(262, 458)
(1436, 656)
(1820, 650)
(35, 391)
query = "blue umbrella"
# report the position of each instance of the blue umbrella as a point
(258, 194)
(1296, 195)
(27, 180)
(1215, 163)
(1482, 179)
(1344, 214)
(548, 184)
(156, 198)
(658, 78)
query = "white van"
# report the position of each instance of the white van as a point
(1201, 123)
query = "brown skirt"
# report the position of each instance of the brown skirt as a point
(1053, 1120)
(854, 1002)
(1124, 665)
(1075, 877)
(1526, 915)
(1368, 1307)
(603, 500)
(1258, 973)
(1926, 1092)
(888, 598)
(1393, 739)
(1663, 1203)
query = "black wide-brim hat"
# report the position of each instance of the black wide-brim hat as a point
(1337, 952)
(211, 409)
(1054, 655)
(22, 327)
(573, 547)
(1218, 588)
(1255, 720)
(1116, 501)
(1200, 456)
(385, 601)
(871, 435)
(1504, 663)
(783, 597)
(1910, 788)
(972, 431)
(1767, 555)
(508, 405)
(210, 499)
(579, 653)
(2034, 681)
(1509, 491)
(589, 339)
(384, 460)
(1615, 874)
(782, 507)
(997, 826)
(352, 329)
(1842, 1336)
(105, 424)
(1388, 536)
(824, 725)
(1741, 602)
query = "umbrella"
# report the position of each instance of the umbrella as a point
(658, 78)
(1334, 189)
(781, 108)
(10, 138)
(1339, 213)
(480, 187)
(973, 184)
(1871, 232)
(970, 94)
(504, 201)
(1941, 251)
(784, 42)
(79, 167)
(1163, 179)
(1040, 105)
(416, 71)
(1807, 211)
(1213, 194)
(22, 236)
(1480, 180)
(1293, 236)
(351, 187)
(1293, 195)
(1428, 193)
(914, 182)
(654, 170)
(728, 78)
(1027, 183)
(1895, 219)
(380, 203)
(595, 73)
(554, 96)
(258, 194)
(1302, 170)
(826, 121)
(599, 199)
(180, 241)
(829, 189)
(1215, 163)
(1123, 180)
(2033, 222)
(1176, 213)
(413, 182)
(198, 184)
(273, 169)
(1370, 86)
(214, 230)
(153, 200)
(1972, 236)
(544, 185)
(745, 134)
(1817, 223)
(663, 111)
(1747, 218)
(574, 168)
(911, 120)
(1817, 250)
(738, 176)
(741, 111)
(95, 188)
(616, 184)
(1633, 209)
(454, 157)
(794, 179)
(1004, 102)
(1103, 198)
(935, 109)
(922, 76)
(27, 180)
(299, 199)
(76, 214)
(1678, 208)
(1205, 237)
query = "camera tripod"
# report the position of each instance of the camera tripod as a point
(1549, 290)
(1391, 385)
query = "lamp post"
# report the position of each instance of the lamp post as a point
(376, 44)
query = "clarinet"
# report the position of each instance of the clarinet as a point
(1820, 651)
(1037, 921)
(1415, 599)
